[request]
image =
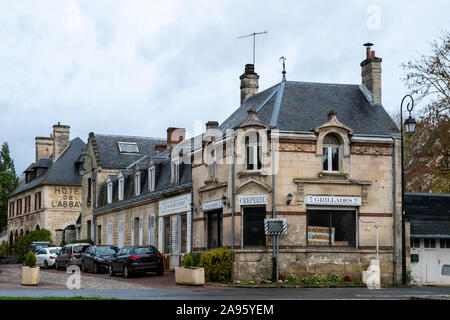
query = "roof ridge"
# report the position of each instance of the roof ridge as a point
(127, 136)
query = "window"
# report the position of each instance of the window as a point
(11, 209)
(254, 226)
(128, 147)
(429, 243)
(27, 204)
(37, 201)
(445, 243)
(175, 171)
(214, 229)
(151, 178)
(415, 243)
(183, 232)
(167, 242)
(331, 153)
(253, 152)
(110, 186)
(88, 229)
(121, 188)
(99, 235)
(89, 186)
(212, 167)
(19, 207)
(331, 228)
(137, 183)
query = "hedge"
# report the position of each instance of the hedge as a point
(217, 264)
(22, 246)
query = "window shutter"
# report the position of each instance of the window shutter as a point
(160, 234)
(141, 230)
(151, 229)
(174, 235)
(121, 234)
(188, 233)
(110, 235)
(132, 231)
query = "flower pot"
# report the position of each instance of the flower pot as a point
(30, 276)
(192, 276)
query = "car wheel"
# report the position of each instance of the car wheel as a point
(45, 264)
(95, 267)
(111, 272)
(126, 273)
(160, 272)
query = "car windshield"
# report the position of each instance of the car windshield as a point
(106, 250)
(80, 249)
(146, 250)
(56, 250)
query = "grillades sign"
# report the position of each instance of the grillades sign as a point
(333, 200)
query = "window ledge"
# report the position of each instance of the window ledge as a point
(210, 180)
(250, 173)
(339, 175)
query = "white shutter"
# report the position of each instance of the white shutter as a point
(174, 229)
(188, 233)
(151, 229)
(141, 230)
(160, 234)
(132, 231)
(121, 233)
(110, 234)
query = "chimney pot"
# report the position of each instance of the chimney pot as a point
(371, 72)
(249, 82)
(61, 139)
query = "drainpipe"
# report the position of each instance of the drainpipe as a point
(232, 194)
(275, 238)
(192, 197)
(394, 211)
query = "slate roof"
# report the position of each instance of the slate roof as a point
(110, 156)
(427, 206)
(431, 229)
(301, 106)
(163, 184)
(63, 171)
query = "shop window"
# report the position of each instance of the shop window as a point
(415, 243)
(167, 235)
(331, 153)
(253, 152)
(215, 229)
(331, 228)
(254, 226)
(429, 243)
(445, 243)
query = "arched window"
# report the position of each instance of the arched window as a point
(331, 153)
(253, 152)
(38, 228)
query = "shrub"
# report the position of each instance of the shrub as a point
(281, 277)
(316, 279)
(21, 247)
(30, 260)
(196, 256)
(4, 249)
(293, 279)
(347, 278)
(188, 261)
(217, 264)
(333, 277)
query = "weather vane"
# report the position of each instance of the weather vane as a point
(254, 34)
(284, 67)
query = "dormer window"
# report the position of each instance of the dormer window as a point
(137, 183)
(110, 189)
(253, 152)
(331, 153)
(128, 147)
(121, 187)
(151, 178)
(175, 171)
(212, 168)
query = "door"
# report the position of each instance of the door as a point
(120, 227)
(40, 257)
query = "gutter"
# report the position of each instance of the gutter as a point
(394, 211)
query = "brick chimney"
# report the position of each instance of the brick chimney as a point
(175, 136)
(371, 72)
(61, 139)
(160, 147)
(44, 147)
(249, 82)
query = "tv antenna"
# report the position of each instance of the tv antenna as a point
(254, 34)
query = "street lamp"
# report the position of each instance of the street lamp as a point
(410, 127)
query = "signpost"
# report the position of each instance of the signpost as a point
(275, 227)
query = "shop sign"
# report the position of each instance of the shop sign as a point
(211, 205)
(319, 236)
(175, 205)
(333, 200)
(252, 200)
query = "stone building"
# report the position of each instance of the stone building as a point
(149, 202)
(106, 155)
(324, 157)
(50, 196)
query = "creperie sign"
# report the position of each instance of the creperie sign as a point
(333, 200)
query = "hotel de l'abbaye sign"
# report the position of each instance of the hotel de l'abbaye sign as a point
(66, 198)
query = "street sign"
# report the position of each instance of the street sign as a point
(275, 226)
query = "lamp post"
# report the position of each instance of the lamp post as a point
(410, 126)
(82, 173)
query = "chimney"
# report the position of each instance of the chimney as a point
(212, 125)
(175, 136)
(61, 139)
(249, 82)
(160, 147)
(44, 147)
(371, 72)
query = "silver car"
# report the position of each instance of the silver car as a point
(46, 257)
(70, 254)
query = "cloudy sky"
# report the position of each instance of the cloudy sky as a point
(138, 67)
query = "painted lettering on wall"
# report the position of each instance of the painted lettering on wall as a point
(68, 198)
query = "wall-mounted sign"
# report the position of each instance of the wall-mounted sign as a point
(275, 226)
(66, 197)
(212, 205)
(252, 200)
(175, 205)
(319, 236)
(333, 200)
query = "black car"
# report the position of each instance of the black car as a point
(131, 260)
(97, 258)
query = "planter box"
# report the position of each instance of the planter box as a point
(193, 276)
(30, 276)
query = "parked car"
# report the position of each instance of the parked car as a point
(46, 257)
(70, 254)
(129, 260)
(97, 258)
(38, 245)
